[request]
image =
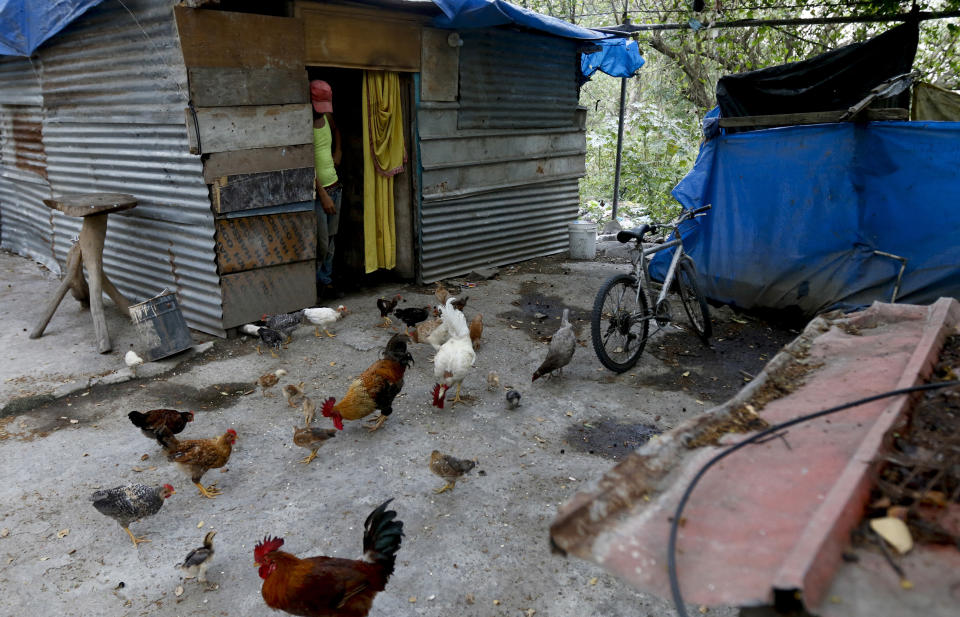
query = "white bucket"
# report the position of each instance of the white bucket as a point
(583, 240)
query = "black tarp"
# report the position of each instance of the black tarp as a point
(831, 81)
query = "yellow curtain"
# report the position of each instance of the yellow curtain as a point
(383, 158)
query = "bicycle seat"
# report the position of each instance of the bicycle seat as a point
(636, 233)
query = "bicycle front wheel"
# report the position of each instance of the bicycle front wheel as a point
(619, 323)
(693, 301)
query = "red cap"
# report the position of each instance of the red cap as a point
(321, 95)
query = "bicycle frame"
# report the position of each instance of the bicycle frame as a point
(641, 270)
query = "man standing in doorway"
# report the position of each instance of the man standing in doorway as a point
(326, 155)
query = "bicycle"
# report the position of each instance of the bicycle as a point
(620, 323)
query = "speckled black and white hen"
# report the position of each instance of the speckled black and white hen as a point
(126, 504)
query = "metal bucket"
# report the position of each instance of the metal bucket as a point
(161, 326)
(583, 240)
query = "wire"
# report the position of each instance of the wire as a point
(759, 7)
(675, 523)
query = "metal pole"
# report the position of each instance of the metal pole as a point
(616, 174)
(623, 104)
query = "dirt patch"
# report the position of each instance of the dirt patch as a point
(609, 439)
(736, 353)
(207, 398)
(539, 309)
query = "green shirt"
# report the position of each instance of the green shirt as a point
(323, 155)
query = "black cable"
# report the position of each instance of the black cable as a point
(675, 523)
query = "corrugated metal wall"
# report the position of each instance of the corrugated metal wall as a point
(113, 90)
(517, 79)
(506, 192)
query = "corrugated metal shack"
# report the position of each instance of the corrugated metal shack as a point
(495, 145)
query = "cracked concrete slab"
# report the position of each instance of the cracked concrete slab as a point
(479, 550)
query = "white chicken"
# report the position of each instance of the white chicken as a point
(455, 357)
(323, 317)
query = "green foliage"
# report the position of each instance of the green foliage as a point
(667, 99)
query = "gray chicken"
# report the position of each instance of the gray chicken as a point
(561, 349)
(284, 323)
(126, 504)
(513, 399)
(449, 468)
(198, 560)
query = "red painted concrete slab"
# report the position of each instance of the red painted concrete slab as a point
(768, 517)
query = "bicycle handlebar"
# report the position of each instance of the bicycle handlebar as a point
(701, 210)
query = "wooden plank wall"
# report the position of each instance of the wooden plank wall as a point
(361, 38)
(251, 121)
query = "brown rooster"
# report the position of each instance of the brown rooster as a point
(374, 389)
(197, 456)
(331, 586)
(155, 421)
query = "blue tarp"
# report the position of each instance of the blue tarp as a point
(798, 213)
(617, 57)
(26, 24)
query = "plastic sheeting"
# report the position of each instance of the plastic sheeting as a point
(488, 13)
(26, 24)
(617, 58)
(833, 80)
(799, 212)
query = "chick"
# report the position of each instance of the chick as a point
(448, 468)
(294, 394)
(493, 381)
(441, 293)
(132, 360)
(513, 399)
(198, 560)
(312, 438)
(268, 380)
(309, 408)
(476, 329)
(560, 350)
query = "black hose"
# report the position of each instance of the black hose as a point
(675, 523)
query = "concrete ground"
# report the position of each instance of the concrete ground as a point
(481, 549)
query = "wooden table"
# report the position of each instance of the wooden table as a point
(94, 208)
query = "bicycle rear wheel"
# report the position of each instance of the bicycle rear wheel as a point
(693, 301)
(619, 323)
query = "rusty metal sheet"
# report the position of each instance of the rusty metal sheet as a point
(258, 190)
(275, 289)
(257, 241)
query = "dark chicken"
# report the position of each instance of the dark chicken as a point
(386, 307)
(374, 389)
(268, 336)
(412, 316)
(152, 422)
(126, 504)
(331, 586)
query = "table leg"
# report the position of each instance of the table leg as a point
(122, 303)
(72, 270)
(92, 234)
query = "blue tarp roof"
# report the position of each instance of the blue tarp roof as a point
(617, 57)
(799, 212)
(26, 24)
